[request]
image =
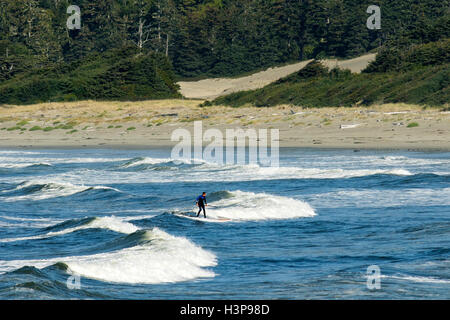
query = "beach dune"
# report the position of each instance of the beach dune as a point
(210, 89)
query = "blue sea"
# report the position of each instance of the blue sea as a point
(109, 224)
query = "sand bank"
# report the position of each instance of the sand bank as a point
(151, 123)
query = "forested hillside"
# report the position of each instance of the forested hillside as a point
(197, 38)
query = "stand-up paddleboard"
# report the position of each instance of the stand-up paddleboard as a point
(189, 216)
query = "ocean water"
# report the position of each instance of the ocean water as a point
(100, 224)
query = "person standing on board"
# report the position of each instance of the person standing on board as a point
(201, 203)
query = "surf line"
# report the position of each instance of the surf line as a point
(193, 310)
(241, 146)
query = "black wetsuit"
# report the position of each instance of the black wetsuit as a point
(201, 201)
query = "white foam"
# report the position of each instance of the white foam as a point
(137, 218)
(318, 173)
(163, 259)
(114, 224)
(256, 172)
(110, 223)
(15, 162)
(371, 198)
(402, 160)
(251, 173)
(214, 172)
(20, 222)
(249, 206)
(146, 160)
(18, 152)
(9, 225)
(154, 161)
(54, 160)
(27, 219)
(51, 189)
(23, 165)
(441, 173)
(85, 160)
(418, 279)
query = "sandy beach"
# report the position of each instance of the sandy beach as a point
(96, 124)
(151, 123)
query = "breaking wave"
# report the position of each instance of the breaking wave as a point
(154, 257)
(419, 279)
(40, 190)
(162, 258)
(146, 163)
(110, 223)
(24, 165)
(249, 206)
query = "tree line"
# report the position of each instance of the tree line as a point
(203, 38)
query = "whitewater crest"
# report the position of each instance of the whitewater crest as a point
(248, 172)
(163, 258)
(317, 173)
(24, 165)
(249, 206)
(418, 279)
(111, 223)
(42, 190)
(149, 257)
(151, 163)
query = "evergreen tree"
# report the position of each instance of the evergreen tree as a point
(212, 37)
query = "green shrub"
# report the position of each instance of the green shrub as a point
(207, 103)
(413, 125)
(403, 59)
(22, 123)
(314, 69)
